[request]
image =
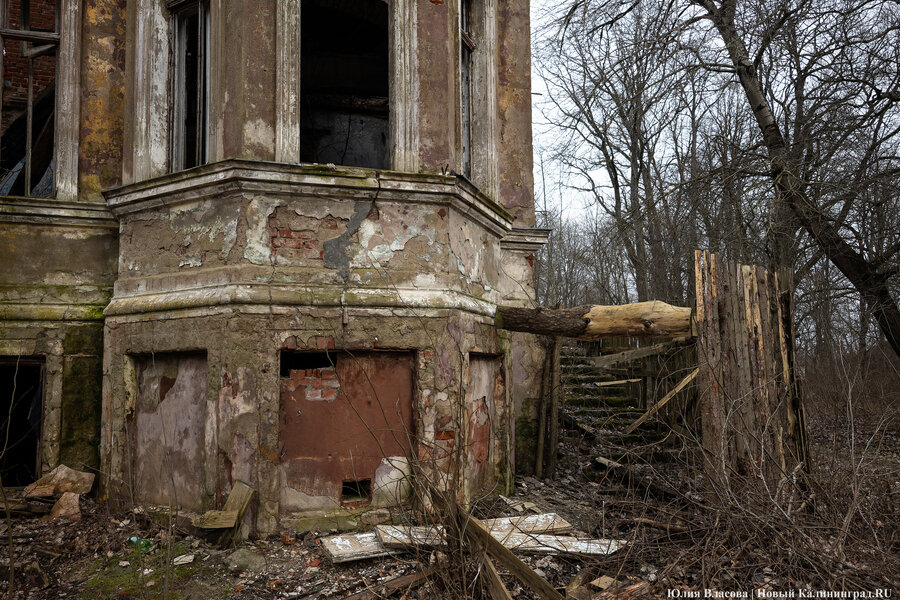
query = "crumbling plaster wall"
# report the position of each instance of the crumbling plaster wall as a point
(526, 354)
(240, 260)
(516, 179)
(242, 349)
(59, 254)
(102, 98)
(57, 272)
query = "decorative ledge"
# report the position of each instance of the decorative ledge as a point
(47, 211)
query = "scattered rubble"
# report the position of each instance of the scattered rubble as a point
(60, 480)
(67, 507)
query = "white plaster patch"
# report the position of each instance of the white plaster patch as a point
(229, 238)
(323, 209)
(259, 246)
(425, 280)
(258, 132)
(193, 261)
(243, 401)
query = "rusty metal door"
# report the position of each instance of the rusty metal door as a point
(338, 421)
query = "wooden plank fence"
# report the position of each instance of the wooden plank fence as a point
(750, 409)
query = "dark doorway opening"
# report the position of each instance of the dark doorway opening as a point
(356, 490)
(344, 114)
(302, 361)
(21, 402)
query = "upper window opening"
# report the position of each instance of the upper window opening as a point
(344, 116)
(191, 105)
(29, 32)
(467, 50)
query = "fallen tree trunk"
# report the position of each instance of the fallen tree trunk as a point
(588, 322)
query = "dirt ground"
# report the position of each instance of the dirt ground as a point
(681, 541)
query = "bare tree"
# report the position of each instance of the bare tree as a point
(773, 125)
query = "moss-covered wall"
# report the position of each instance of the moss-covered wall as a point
(82, 379)
(56, 276)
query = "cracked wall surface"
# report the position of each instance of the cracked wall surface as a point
(243, 259)
(246, 261)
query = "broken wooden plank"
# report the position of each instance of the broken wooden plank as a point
(495, 585)
(229, 518)
(617, 382)
(655, 408)
(393, 536)
(559, 544)
(238, 500)
(348, 547)
(216, 519)
(477, 533)
(542, 523)
(432, 536)
(576, 589)
(603, 582)
(629, 356)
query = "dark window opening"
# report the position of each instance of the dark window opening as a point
(21, 400)
(191, 122)
(344, 113)
(30, 39)
(467, 50)
(301, 361)
(356, 490)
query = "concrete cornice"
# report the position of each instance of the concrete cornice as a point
(528, 239)
(51, 212)
(236, 176)
(287, 295)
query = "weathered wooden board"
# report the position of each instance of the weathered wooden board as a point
(559, 544)
(432, 536)
(216, 519)
(231, 515)
(539, 543)
(400, 537)
(616, 382)
(543, 523)
(655, 408)
(751, 411)
(347, 547)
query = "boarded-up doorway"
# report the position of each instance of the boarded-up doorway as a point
(341, 414)
(485, 392)
(168, 432)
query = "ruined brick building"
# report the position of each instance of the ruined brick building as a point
(264, 241)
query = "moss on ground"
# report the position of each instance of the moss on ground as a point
(109, 580)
